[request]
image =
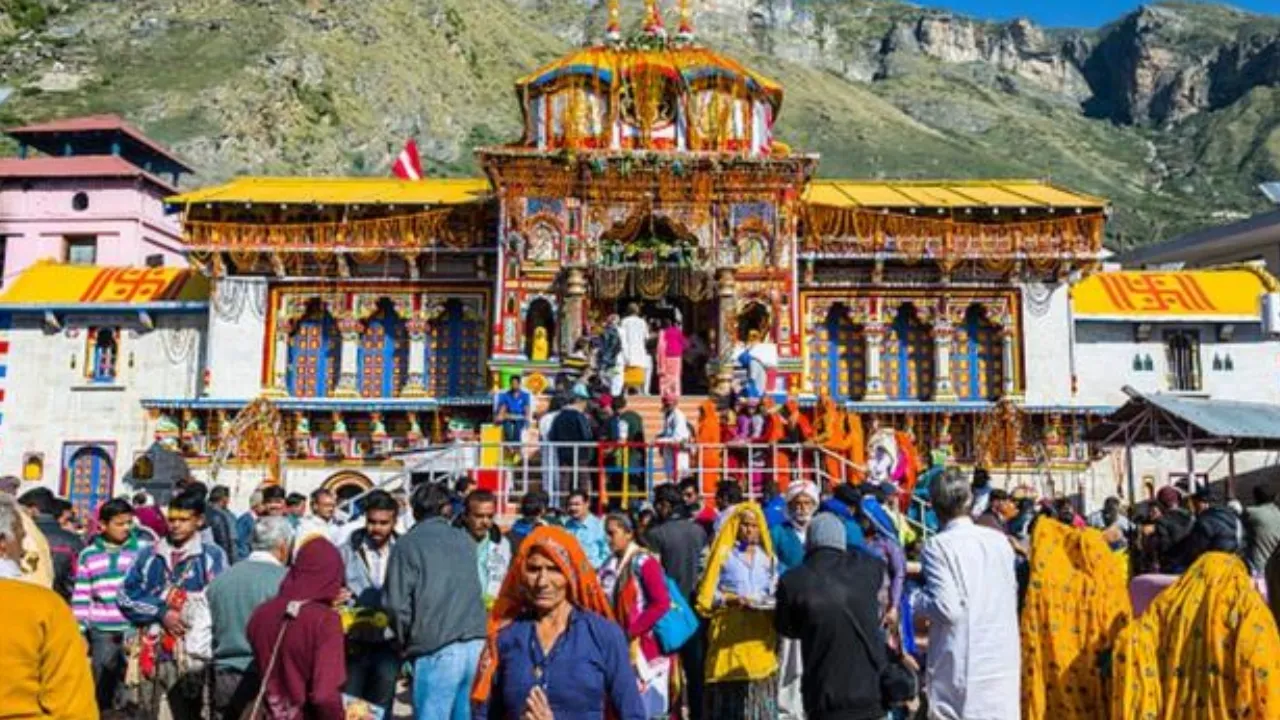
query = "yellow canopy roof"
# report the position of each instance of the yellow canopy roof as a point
(53, 284)
(1231, 293)
(340, 191)
(946, 194)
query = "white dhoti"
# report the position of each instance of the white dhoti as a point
(790, 669)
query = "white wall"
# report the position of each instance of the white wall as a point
(48, 403)
(237, 336)
(1105, 353)
(1046, 344)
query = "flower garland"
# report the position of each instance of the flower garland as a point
(457, 227)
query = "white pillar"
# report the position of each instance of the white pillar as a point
(416, 384)
(943, 387)
(280, 364)
(350, 329)
(875, 348)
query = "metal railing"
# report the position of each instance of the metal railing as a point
(622, 475)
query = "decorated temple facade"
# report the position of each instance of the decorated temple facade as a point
(358, 308)
(351, 320)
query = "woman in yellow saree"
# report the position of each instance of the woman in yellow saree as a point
(1206, 649)
(1076, 604)
(737, 594)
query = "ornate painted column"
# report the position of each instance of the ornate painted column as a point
(874, 332)
(575, 288)
(727, 290)
(349, 327)
(1009, 388)
(280, 362)
(943, 387)
(416, 384)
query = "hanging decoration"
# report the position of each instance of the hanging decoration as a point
(457, 227)
(858, 230)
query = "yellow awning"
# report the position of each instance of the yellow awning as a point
(55, 284)
(946, 194)
(1178, 295)
(340, 191)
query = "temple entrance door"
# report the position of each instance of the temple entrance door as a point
(698, 321)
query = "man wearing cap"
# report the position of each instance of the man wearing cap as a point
(36, 562)
(572, 428)
(829, 605)
(673, 437)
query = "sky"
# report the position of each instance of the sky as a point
(1067, 13)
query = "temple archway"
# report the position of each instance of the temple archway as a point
(755, 316)
(540, 330)
(347, 484)
(976, 357)
(838, 355)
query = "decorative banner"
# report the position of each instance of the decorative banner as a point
(456, 227)
(831, 229)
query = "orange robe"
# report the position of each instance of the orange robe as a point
(710, 455)
(775, 431)
(856, 442)
(830, 434)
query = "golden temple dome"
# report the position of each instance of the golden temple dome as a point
(650, 93)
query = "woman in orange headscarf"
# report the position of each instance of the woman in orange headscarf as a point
(709, 452)
(829, 432)
(552, 590)
(775, 431)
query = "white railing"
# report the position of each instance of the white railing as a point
(621, 475)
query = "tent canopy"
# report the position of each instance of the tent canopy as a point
(1178, 421)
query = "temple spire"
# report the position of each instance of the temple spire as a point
(653, 20)
(613, 31)
(685, 32)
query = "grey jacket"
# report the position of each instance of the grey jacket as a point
(433, 591)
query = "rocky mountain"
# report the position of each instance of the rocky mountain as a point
(1172, 111)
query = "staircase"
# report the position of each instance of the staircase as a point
(650, 409)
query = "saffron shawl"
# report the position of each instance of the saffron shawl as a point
(1076, 604)
(709, 453)
(1207, 642)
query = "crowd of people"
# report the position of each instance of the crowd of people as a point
(818, 602)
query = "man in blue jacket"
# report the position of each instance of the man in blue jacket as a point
(372, 664)
(163, 596)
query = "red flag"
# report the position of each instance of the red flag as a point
(408, 165)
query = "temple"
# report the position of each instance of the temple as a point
(351, 320)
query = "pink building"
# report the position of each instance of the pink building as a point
(88, 191)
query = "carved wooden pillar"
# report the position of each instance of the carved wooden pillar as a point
(416, 384)
(727, 289)
(349, 328)
(874, 331)
(1009, 387)
(280, 361)
(571, 316)
(943, 387)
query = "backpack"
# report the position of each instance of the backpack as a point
(678, 624)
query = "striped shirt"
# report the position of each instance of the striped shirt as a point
(101, 572)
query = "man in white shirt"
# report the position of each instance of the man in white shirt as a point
(970, 598)
(635, 335)
(673, 438)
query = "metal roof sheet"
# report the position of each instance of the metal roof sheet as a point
(947, 194)
(340, 191)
